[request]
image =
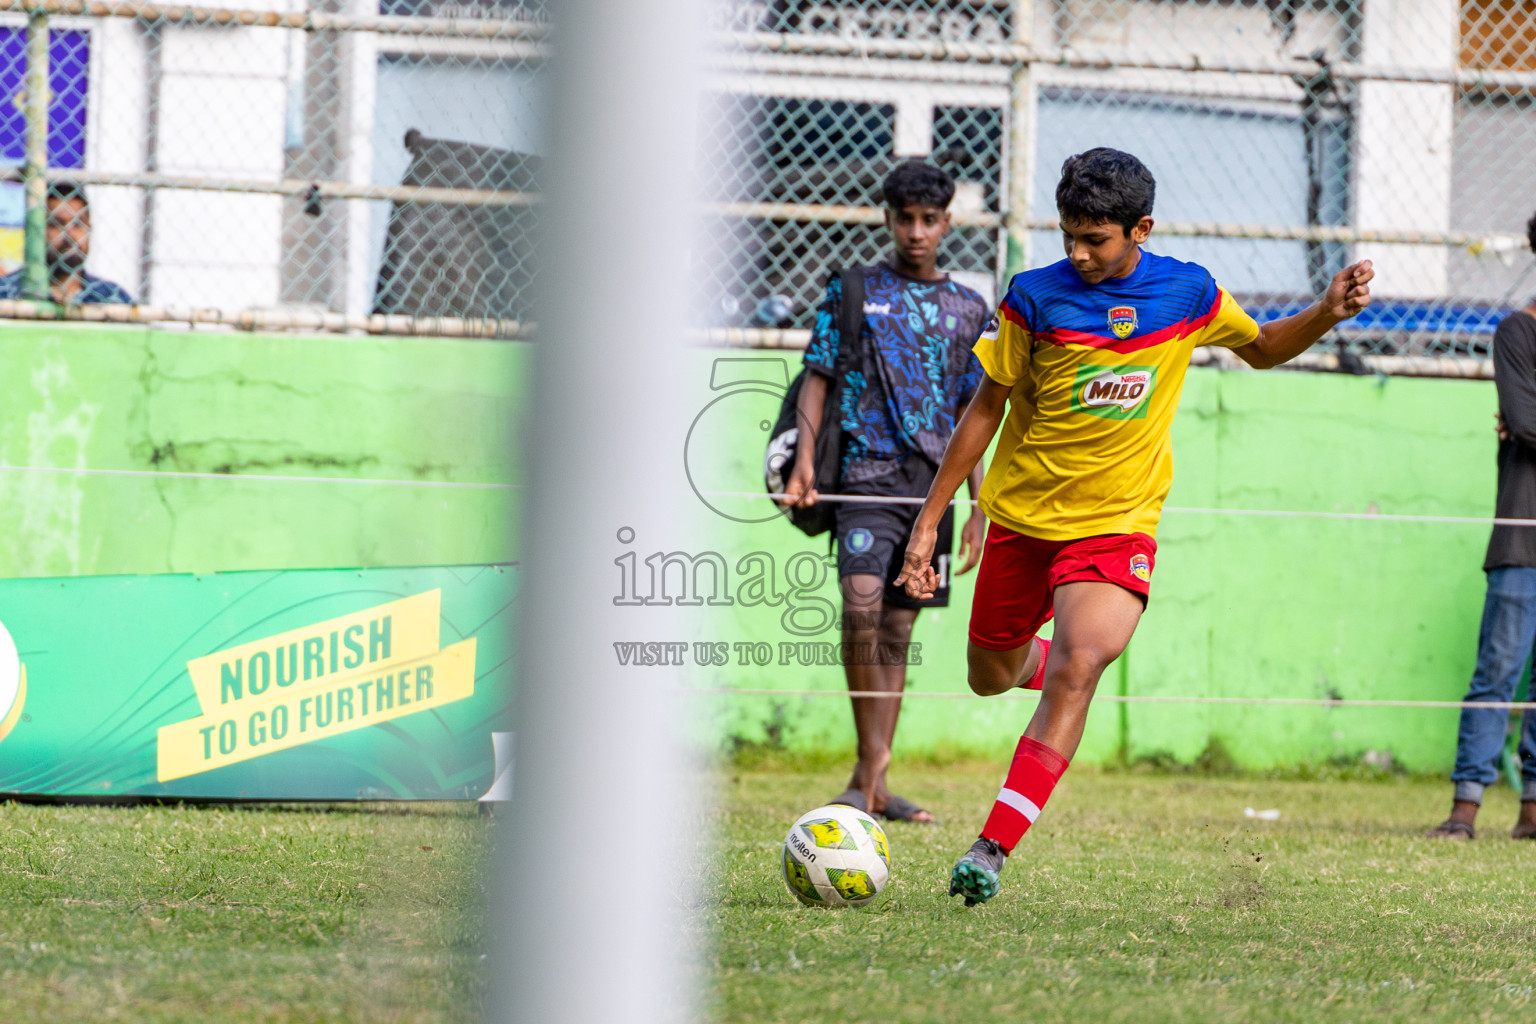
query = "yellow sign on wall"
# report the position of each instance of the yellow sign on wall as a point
(301, 659)
(315, 682)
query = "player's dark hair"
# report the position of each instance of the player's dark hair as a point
(1530, 232)
(1105, 185)
(915, 182)
(59, 191)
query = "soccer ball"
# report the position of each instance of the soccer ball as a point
(836, 856)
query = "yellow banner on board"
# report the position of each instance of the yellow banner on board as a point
(313, 656)
(290, 717)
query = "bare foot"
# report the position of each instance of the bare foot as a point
(1458, 826)
(1525, 828)
(1458, 831)
(899, 808)
(869, 779)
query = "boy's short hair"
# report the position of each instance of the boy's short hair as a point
(916, 182)
(1530, 232)
(1105, 185)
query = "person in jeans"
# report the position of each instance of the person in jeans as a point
(1509, 610)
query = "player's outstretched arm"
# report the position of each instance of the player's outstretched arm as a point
(1282, 340)
(966, 447)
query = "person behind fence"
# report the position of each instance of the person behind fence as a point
(902, 384)
(68, 244)
(1508, 628)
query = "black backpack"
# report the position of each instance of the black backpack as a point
(783, 445)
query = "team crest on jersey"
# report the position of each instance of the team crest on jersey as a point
(990, 331)
(1122, 320)
(1141, 567)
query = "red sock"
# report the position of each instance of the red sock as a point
(1037, 681)
(1033, 775)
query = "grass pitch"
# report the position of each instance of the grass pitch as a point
(1137, 898)
(207, 914)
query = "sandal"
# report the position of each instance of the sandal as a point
(899, 808)
(1459, 831)
(854, 798)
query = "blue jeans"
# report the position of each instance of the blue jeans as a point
(1503, 647)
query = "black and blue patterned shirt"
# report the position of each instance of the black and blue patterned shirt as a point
(916, 371)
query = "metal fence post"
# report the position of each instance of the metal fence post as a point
(615, 386)
(35, 173)
(1021, 141)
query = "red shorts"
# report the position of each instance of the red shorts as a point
(1019, 574)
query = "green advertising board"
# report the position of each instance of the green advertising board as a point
(365, 684)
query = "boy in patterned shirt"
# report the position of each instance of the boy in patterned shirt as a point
(1086, 359)
(903, 384)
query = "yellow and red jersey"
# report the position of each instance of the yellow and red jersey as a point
(1096, 372)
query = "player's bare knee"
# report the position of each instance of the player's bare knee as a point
(988, 675)
(861, 625)
(984, 683)
(896, 631)
(1076, 668)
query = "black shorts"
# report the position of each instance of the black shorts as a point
(872, 539)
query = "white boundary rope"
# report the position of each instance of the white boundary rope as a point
(1323, 702)
(1320, 702)
(1371, 516)
(863, 499)
(1276, 513)
(261, 477)
(874, 499)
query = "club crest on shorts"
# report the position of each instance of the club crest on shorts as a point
(859, 540)
(1122, 320)
(1141, 567)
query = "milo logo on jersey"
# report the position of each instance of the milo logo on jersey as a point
(1114, 392)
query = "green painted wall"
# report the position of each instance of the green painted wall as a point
(1241, 606)
(223, 402)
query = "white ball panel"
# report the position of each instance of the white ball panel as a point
(848, 866)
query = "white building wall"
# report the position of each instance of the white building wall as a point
(223, 97)
(222, 104)
(1230, 31)
(116, 141)
(361, 54)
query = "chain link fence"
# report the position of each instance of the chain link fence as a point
(1288, 137)
(375, 164)
(341, 165)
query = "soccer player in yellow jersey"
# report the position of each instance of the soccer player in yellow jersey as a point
(1083, 366)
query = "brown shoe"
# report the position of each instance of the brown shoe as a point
(1450, 828)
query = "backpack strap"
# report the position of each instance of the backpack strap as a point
(850, 326)
(830, 441)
